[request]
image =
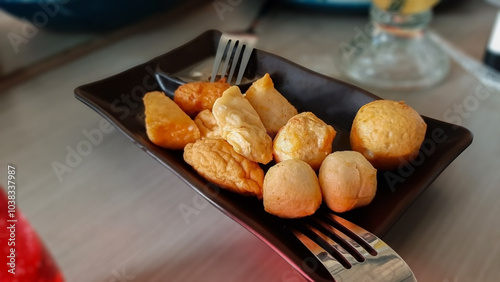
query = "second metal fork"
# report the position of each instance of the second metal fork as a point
(349, 252)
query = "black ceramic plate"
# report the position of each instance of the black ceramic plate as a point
(119, 99)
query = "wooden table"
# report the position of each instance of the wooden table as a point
(115, 214)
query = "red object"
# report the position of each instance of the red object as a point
(23, 257)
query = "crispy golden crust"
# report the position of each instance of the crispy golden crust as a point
(387, 133)
(207, 124)
(216, 160)
(241, 126)
(304, 137)
(347, 181)
(291, 189)
(166, 124)
(274, 109)
(195, 97)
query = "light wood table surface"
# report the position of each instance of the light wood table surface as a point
(116, 215)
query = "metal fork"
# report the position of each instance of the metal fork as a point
(349, 252)
(229, 55)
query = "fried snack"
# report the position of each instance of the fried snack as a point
(304, 137)
(241, 126)
(291, 189)
(274, 109)
(387, 133)
(216, 161)
(347, 181)
(166, 124)
(207, 124)
(194, 97)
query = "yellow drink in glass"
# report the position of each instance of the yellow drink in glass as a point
(406, 6)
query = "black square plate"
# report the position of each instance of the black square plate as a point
(119, 100)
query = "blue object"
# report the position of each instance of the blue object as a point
(349, 5)
(84, 15)
(361, 5)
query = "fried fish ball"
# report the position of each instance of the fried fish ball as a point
(387, 133)
(291, 189)
(216, 161)
(347, 180)
(274, 109)
(166, 124)
(194, 97)
(304, 137)
(207, 124)
(241, 126)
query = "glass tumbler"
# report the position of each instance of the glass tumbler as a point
(395, 52)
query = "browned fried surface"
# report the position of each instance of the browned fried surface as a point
(241, 126)
(273, 109)
(291, 189)
(195, 97)
(166, 124)
(348, 180)
(207, 124)
(304, 137)
(217, 161)
(388, 133)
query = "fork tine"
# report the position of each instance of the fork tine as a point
(349, 252)
(244, 61)
(235, 60)
(230, 50)
(328, 244)
(228, 58)
(330, 263)
(221, 47)
(355, 233)
(338, 226)
(353, 253)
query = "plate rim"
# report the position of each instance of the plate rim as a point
(82, 94)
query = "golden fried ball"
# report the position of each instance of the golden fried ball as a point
(304, 137)
(291, 189)
(387, 133)
(347, 181)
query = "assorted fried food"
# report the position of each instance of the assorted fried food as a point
(348, 181)
(207, 124)
(304, 137)
(387, 133)
(274, 109)
(291, 189)
(241, 126)
(195, 97)
(233, 135)
(217, 161)
(166, 124)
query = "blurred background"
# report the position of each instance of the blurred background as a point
(115, 216)
(59, 30)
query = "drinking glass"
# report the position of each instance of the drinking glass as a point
(24, 258)
(395, 52)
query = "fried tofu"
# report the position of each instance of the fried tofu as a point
(216, 161)
(166, 124)
(273, 108)
(207, 124)
(241, 126)
(194, 97)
